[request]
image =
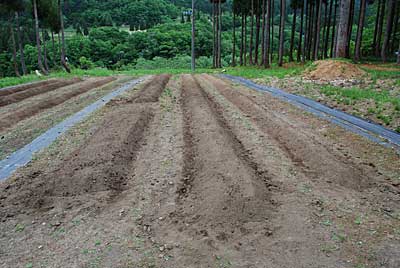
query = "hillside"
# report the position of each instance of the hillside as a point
(93, 13)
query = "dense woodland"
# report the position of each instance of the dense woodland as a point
(47, 35)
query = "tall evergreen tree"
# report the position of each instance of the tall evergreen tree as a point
(20, 44)
(294, 7)
(342, 36)
(251, 32)
(350, 27)
(258, 24)
(234, 11)
(361, 20)
(266, 38)
(377, 17)
(299, 47)
(329, 21)
(334, 31)
(14, 49)
(380, 29)
(389, 26)
(61, 16)
(37, 32)
(264, 24)
(8, 9)
(317, 30)
(282, 32)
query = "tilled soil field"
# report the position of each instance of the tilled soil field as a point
(13, 116)
(194, 171)
(14, 89)
(33, 91)
(25, 130)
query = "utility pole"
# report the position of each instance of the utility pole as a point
(193, 37)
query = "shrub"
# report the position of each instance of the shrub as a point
(85, 63)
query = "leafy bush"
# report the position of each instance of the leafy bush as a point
(85, 64)
(178, 62)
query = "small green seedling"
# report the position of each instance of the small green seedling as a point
(358, 220)
(19, 227)
(327, 222)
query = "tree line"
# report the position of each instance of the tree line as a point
(37, 22)
(323, 29)
(235, 32)
(47, 15)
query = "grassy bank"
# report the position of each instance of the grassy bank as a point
(375, 96)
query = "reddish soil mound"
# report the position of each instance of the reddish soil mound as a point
(328, 70)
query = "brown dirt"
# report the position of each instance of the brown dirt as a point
(153, 95)
(328, 70)
(95, 173)
(223, 190)
(21, 95)
(348, 163)
(209, 175)
(311, 159)
(24, 132)
(14, 116)
(14, 89)
(100, 166)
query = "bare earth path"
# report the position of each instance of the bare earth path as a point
(194, 171)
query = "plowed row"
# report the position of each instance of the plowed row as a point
(36, 90)
(99, 168)
(216, 165)
(14, 116)
(15, 89)
(311, 158)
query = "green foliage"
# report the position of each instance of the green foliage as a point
(384, 74)
(117, 49)
(19, 227)
(5, 65)
(85, 64)
(141, 14)
(124, 33)
(179, 62)
(11, 81)
(354, 93)
(386, 105)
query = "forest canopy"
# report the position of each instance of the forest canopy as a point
(120, 34)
